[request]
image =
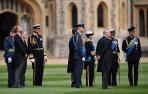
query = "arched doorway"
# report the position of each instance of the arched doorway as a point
(20, 12)
(7, 21)
(102, 15)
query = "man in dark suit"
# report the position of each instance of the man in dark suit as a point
(36, 53)
(24, 61)
(104, 55)
(71, 67)
(19, 55)
(79, 55)
(9, 48)
(132, 47)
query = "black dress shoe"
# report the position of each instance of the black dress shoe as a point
(17, 86)
(104, 87)
(72, 85)
(114, 84)
(131, 84)
(135, 84)
(79, 87)
(10, 86)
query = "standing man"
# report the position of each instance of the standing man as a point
(104, 55)
(112, 79)
(36, 52)
(19, 55)
(90, 61)
(9, 48)
(132, 47)
(24, 60)
(71, 62)
(79, 55)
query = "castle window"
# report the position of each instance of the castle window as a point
(141, 23)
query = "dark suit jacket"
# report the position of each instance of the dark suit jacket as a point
(71, 67)
(20, 50)
(105, 52)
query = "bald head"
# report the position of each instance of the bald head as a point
(107, 32)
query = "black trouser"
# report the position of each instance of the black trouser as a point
(90, 74)
(112, 79)
(105, 78)
(11, 72)
(72, 79)
(133, 65)
(38, 67)
(23, 68)
(105, 74)
(78, 73)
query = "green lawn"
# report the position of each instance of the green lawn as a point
(56, 81)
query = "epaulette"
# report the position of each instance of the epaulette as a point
(88, 40)
(116, 40)
(31, 39)
(29, 35)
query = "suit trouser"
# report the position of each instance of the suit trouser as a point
(18, 72)
(112, 79)
(132, 64)
(23, 71)
(105, 74)
(105, 78)
(78, 73)
(11, 72)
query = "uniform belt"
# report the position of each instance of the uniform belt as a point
(115, 52)
(11, 50)
(38, 49)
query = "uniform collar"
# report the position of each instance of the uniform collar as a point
(89, 40)
(34, 34)
(78, 33)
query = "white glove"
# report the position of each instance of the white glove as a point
(83, 59)
(9, 59)
(32, 60)
(45, 58)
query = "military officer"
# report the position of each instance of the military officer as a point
(9, 48)
(132, 47)
(36, 54)
(79, 55)
(112, 81)
(104, 55)
(90, 61)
